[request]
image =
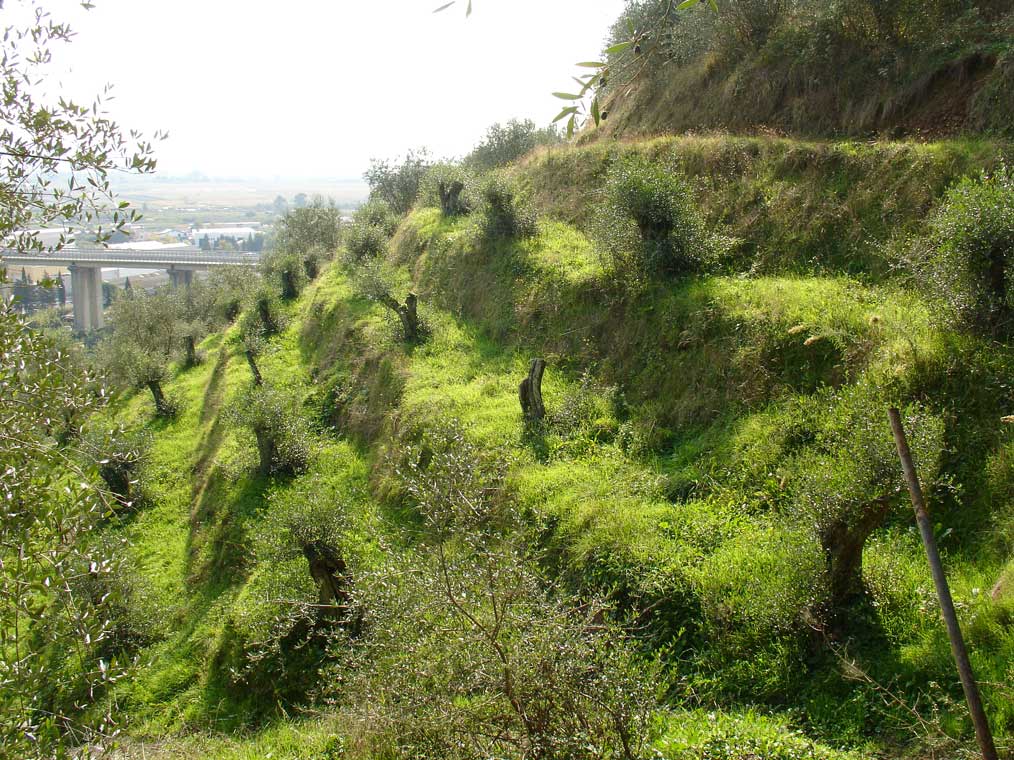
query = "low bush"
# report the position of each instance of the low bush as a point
(650, 224)
(506, 212)
(397, 183)
(377, 213)
(288, 269)
(119, 455)
(275, 417)
(506, 143)
(364, 241)
(449, 187)
(967, 259)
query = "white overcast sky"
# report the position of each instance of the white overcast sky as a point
(315, 88)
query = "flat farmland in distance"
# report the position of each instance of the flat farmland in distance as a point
(184, 193)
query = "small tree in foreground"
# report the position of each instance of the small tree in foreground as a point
(472, 653)
(397, 184)
(51, 630)
(147, 334)
(847, 481)
(373, 282)
(275, 417)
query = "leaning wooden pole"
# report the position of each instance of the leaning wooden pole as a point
(982, 732)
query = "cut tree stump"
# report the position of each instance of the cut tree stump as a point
(530, 393)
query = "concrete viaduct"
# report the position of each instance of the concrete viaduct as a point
(85, 265)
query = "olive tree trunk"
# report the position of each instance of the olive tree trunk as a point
(252, 361)
(407, 313)
(843, 542)
(530, 393)
(265, 450)
(161, 405)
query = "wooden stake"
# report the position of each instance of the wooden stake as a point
(982, 732)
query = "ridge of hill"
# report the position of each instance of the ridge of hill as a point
(858, 68)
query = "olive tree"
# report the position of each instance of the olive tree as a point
(148, 332)
(50, 630)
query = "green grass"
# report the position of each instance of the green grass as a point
(658, 479)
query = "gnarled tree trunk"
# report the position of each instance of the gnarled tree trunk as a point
(191, 348)
(330, 573)
(252, 361)
(407, 313)
(843, 544)
(161, 405)
(530, 393)
(450, 197)
(265, 450)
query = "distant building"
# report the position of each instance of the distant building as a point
(214, 234)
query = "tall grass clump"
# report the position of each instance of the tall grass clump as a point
(967, 258)
(650, 223)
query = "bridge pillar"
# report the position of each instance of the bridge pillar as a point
(86, 293)
(181, 277)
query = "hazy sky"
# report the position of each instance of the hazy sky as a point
(315, 88)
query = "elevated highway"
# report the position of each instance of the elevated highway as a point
(85, 265)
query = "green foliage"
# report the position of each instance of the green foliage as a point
(506, 212)
(966, 261)
(364, 241)
(650, 223)
(506, 143)
(57, 153)
(451, 188)
(397, 184)
(50, 632)
(119, 455)
(492, 647)
(275, 416)
(268, 310)
(674, 69)
(316, 226)
(377, 213)
(287, 269)
(147, 334)
(280, 634)
(232, 289)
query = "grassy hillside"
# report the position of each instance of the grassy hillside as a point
(686, 423)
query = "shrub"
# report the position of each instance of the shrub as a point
(650, 224)
(364, 241)
(268, 310)
(288, 269)
(471, 653)
(315, 226)
(450, 187)
(377, 213)
(119, 455)
(397, 184)
(847, 480)
(967, 258)
(506, 213)
(506, 143)
(231, 288)
(279, 633)
(276, 419)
